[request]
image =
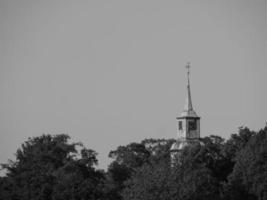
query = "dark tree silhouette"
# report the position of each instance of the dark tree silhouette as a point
(249, 177)
(49, 167)
(52, 168)
(128, 159)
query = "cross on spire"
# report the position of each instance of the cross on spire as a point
(188, 71)
(188, 66)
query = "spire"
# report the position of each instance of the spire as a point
(188, 101)
(188, 109)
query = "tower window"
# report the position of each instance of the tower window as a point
(180, 125)
(192, 125)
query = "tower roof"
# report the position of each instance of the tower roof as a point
(188, 109)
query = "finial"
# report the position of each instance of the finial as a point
(188, 71)
(188, 66)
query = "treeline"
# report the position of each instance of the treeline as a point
(52, 168)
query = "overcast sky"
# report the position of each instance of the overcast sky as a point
(112, 72)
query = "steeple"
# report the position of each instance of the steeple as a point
(188, 109)
(188, 122)
(188, 126)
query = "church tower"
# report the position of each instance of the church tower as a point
(188, 124)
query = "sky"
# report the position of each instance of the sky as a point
(108, 73)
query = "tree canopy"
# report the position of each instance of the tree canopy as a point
(50, 167)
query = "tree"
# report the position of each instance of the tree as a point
(237, 142)
(214, 156)
(49, 167)
(192, 178)
(78, 179)
(128, 159)
(150, 182)
(159, 150)
(195, 175)
(249, 177)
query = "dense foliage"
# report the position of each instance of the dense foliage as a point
(50, 167)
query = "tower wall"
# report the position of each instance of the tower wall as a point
(188, 128)
(181, 133)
